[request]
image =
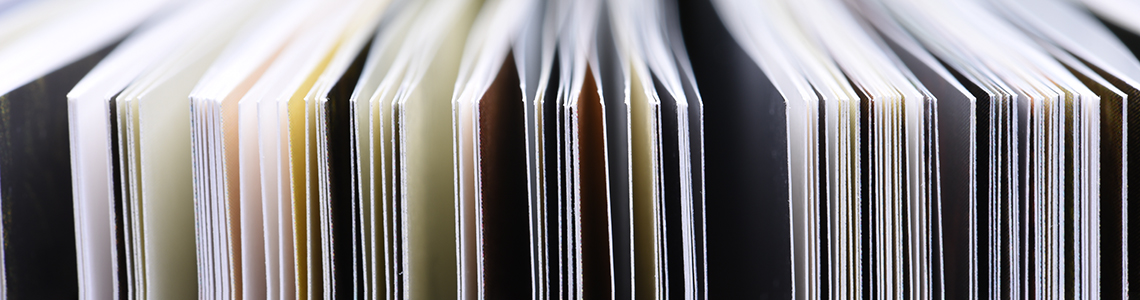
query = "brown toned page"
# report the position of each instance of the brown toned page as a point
(501, 143)
(593, 193)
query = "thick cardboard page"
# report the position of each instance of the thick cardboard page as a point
(691, 136)
(347, 205)
(428, 207)
(529, 46)
(611, 73)
(747, 207)
(696, 155)
(592, 196)
(672, 179)
(1131, 128)
(503, 195)
(492, 158)
(646, 185)
(552, 180)
(35, 176)
(959, 219)
(1116, 126)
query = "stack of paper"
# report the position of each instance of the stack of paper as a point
(567, 149)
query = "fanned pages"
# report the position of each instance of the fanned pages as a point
(568, 149)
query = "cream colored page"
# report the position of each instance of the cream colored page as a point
(643, 147)
(168, 201)
(426, 155)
